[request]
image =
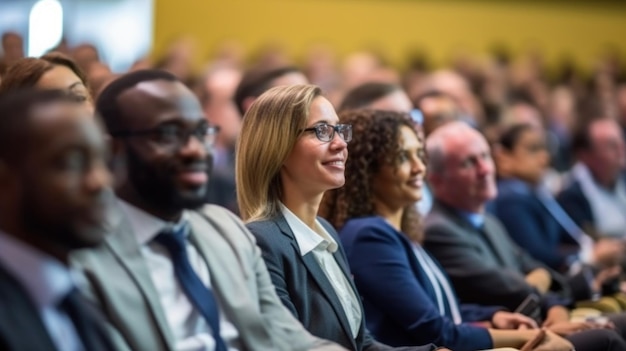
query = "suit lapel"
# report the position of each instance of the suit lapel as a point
(20, 322)
(230, 280)
(495, 237)
(319, 276)
(484, 237)
(124, 245)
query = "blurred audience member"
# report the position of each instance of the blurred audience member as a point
(216, 95)
(258, 80)
(321, 69)
(377, 96)
(12, 50)
(51, 71)
(178, 59)
(437, 108)
(85, 55)
(54, 185)
(595, 197)
(458, 88)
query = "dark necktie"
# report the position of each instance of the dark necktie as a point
(90, 333)
(174, 239)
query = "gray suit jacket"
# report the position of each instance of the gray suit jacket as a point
(119, 280)
(485, 266)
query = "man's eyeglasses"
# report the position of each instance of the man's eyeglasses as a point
(175, 136)
(326, 132)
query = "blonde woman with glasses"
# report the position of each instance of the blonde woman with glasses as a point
(291, 150)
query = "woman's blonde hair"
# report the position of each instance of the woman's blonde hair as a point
(270, 130)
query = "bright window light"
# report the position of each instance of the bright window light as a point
(45, 27)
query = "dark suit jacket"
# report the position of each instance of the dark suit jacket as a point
(485, 266)
(532, 226)
(21, 327)
(304, 288)
(404, 310)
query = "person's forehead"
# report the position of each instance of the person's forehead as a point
(465, 143)
(58, 122)
(59, 77)
(605, 129)
(146, 101)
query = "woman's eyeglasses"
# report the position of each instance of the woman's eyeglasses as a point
(326, 132)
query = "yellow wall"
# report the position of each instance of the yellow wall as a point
(393, 26)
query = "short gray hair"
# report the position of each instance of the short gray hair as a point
(436, 144)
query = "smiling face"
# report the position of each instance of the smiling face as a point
(398, 185)
(314, 166)
(164, 176)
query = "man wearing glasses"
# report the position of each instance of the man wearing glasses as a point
(175, 275)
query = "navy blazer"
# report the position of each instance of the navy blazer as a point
(21, 326)
(531, 225)
(398, 298)
(304, 288)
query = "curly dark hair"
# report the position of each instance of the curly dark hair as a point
(374, 145)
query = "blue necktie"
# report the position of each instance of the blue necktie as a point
(201, 297)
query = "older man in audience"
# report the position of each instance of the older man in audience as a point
(175, 275)
(53, 181)
(484, 264)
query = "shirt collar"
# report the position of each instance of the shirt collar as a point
(475, 219)
(45, 278)
(146, 226)
(307, 238)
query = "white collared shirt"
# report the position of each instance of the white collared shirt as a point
(322, 245)
(47, 281)
(190, 330)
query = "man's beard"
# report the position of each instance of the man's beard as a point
(157, 188)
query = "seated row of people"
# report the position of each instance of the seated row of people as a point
(172, 274)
